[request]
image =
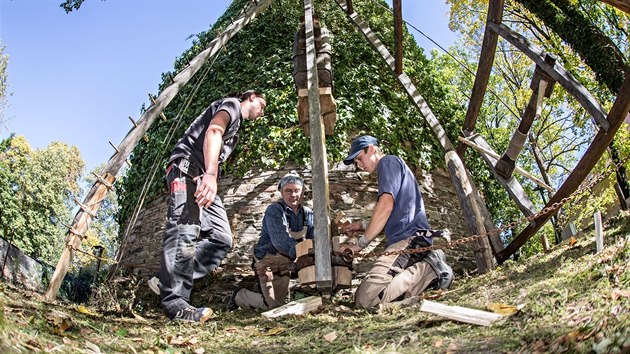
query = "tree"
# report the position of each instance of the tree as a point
(38, 187)
(4, 83)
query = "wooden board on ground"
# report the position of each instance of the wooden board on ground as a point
(298, 307)
(462, 314)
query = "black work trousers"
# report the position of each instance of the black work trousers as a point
(195, 241)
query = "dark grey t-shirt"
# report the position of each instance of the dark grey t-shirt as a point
(190, 146)
(408, 215)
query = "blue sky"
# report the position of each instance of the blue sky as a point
(76, 77)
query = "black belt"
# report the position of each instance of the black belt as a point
(187, 167)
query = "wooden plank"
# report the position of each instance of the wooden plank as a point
(623, 5)
(485, 149)
(466, 191)
(323, 262)
(486, 59)
(297, 307)
(595, 151)
(555, 71)
(462, 314)
(142, 125)
(398, 37)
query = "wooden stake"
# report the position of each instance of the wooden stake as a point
(599, 235)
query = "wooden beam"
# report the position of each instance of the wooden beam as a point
(323, 262)
(511, 185)
(595, 151)
(398, 37)
(486, 59)
(133, 136)
(485, 149)
(623, 5)
(466, 191)
(506, 164)
(555, 71)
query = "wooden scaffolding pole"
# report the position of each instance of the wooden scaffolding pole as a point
(82, 219)
(555, 71)
(595, 151)
(486, 59)
(464, 186)
(321, 239)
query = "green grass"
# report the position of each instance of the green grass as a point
(572, 301)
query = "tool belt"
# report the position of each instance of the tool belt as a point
(406, 260)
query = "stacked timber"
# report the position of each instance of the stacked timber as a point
(323, 59)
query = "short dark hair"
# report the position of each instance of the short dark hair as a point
(245, 95)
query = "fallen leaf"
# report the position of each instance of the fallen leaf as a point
(274, 331)
(132, 349)
(231, 329)
(199, 351)
(84, 310)
(502, 309)
(181, 341)
(572, 241)
(331, 336)
(92, 348)
(438, 343)
(452, 348)
(60, 323)
(617, 293)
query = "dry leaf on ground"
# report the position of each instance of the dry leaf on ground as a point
(331, 336)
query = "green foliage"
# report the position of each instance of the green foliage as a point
(572, 24)
(37, 187)
(71, 5)
(368, 97)
(4, 82)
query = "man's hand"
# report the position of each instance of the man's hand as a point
(346, 247)
(206, 189)
(352, 229)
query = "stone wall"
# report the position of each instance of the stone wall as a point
(246, 199)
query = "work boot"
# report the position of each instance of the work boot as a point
(437, 260)
(154, 285)
(193, 314)
(231, 304)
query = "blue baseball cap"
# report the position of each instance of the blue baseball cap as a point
(359, 144)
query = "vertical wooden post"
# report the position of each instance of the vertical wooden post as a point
(599, 236)
(486, 59)
(398, 36)
(323, 262)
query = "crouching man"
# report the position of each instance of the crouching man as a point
(285, 223)
(400, 213)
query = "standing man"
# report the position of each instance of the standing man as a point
(400, 213)
(192, 174)
(285, 224)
